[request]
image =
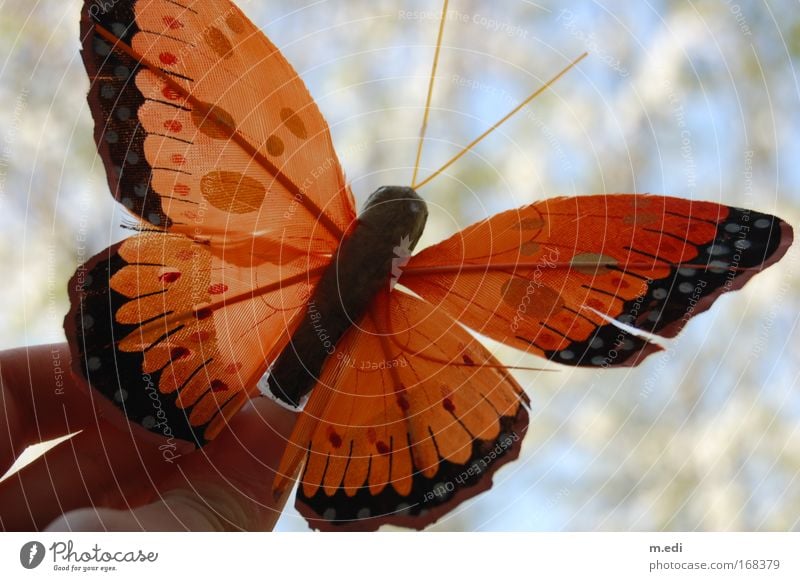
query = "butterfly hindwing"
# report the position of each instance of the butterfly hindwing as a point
(151, 331)
(417, 417)
(561, 278)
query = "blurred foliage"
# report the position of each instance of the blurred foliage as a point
(676, 97)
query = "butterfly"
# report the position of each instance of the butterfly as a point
(251, 262)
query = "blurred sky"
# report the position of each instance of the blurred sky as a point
(695, 99)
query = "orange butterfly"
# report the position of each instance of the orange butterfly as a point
(252, 259)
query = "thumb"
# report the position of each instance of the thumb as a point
(227, 485)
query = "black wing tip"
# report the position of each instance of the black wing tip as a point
(749, 243)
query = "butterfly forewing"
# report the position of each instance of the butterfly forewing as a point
(561, 278)
(204, 127)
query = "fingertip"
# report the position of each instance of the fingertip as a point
(180, 510)
(237, 469)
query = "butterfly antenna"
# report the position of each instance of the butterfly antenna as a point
(424, 128)
(486, 133)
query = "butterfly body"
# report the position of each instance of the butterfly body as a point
(393, 216)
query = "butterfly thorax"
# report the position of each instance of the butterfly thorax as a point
(366, 261)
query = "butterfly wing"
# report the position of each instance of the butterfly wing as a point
(568, 278)
(205, 128)
(411, 417)
(211, 138)
(177, 337)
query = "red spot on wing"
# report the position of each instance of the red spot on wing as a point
(335, 439)
(218, 288)
(167, 58)
(173, 126)
(178, 159)
(169, 277)
(182, 190)
(172, 23)
(448, 404)
(179, 353)
(218, 385)
(381, 447)
(170, 93)
(467, 359)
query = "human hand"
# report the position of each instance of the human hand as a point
(109, 477)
